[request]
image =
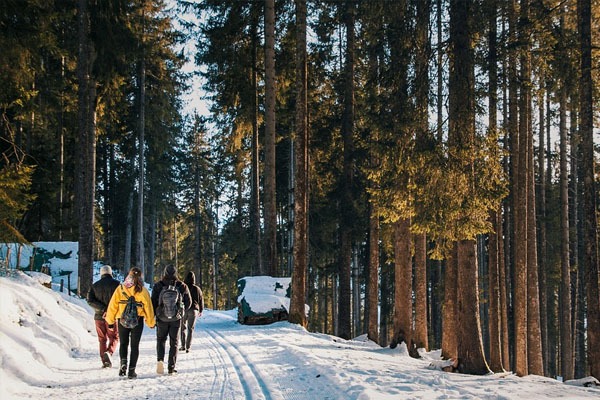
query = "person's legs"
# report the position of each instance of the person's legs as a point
(102, 336)
(162, 331)
(174, 328)
(124, 339)
(191, 324)
(136, 335)
(183, 330)
(113, 339)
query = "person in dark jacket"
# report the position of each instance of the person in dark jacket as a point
(98, 298)
(189, 319)
(167, 327)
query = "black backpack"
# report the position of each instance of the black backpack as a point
(129, 318)
(170, 304)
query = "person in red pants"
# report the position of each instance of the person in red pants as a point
(98, 298)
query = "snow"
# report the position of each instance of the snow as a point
(48, 349)
(265, 293)
(59, 267)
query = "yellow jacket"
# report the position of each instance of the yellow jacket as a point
(118, 300)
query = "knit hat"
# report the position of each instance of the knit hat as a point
(170, 271)
(106, 269)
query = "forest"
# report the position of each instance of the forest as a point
(424, 170)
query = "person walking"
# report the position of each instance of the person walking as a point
(98, 298)
(118, 311)
(188, 321)
(170, 298)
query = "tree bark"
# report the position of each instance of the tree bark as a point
(470, 346)
(449, 324)
(270, 239)
(589, 217)
(87, 148)
(347, 201)
(425, 143)
(543, 257)
(297, 301)
(372, 312)
(141, 163)
(519, 185)
(566, 337)
(420, 338)
(403, 308)
(255, 148)
(534, 348)
(495, 217)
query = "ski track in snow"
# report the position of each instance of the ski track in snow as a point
(219, 366)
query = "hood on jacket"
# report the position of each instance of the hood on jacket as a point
(190, 279)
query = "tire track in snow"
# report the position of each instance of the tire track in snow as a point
(298, 388)
(217, 389)
(253, 384)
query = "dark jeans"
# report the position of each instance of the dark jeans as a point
(187, 327)
(170, 329)
(135, 334)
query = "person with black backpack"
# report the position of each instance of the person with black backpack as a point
(189, 319)
(130, 305)
(171, 299)
(98, 298)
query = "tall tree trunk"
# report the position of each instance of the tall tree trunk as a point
(255, 171)
(152, 243)
(197, 225)
(495, 217)
(534, 342)
(461, 135)
(566, 337)
(504, 327)
(403, 308)
(87, 148)
(470, 346)
(534, 349)
(449, 331)
(372, 312)
(141, 163)
(270, 205)
(551, 295)
(426, 143)
(519, 168)
(297, 301)
(577, 297)
(543, 257)
(386, 304)
(589, 217)
(420, 338)
(347, 201)
(440, 72)
(128, 234)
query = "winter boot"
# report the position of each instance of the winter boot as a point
(123, 368)
(172, 370)
(106, 363)
(160, 367)
(131, 374)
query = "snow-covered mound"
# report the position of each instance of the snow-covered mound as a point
(42, 331)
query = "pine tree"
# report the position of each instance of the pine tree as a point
(584, 10)
(299, 285)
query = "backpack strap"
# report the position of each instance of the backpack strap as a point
(138, 303)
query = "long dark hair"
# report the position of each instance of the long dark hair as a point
(136, 276)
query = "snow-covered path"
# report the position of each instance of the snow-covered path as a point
(48, 350)
(229, 361)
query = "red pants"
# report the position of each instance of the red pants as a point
(107, 339)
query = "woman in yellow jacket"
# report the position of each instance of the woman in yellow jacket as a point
(132, 286)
